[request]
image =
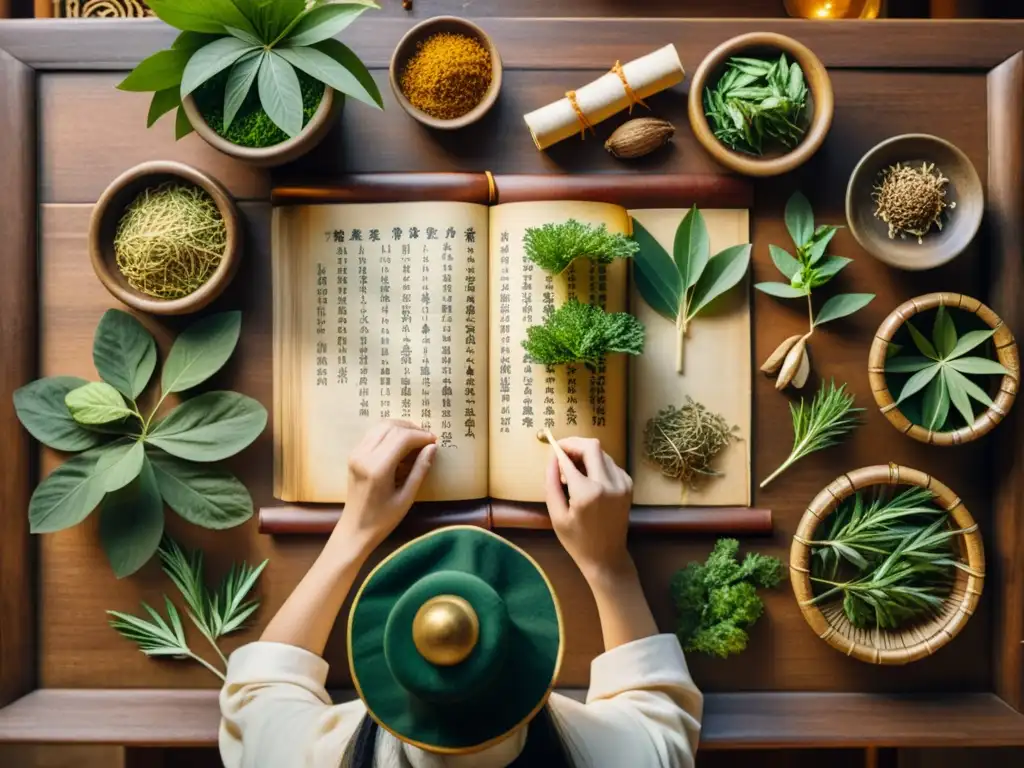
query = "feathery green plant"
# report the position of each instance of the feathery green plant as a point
(553, 247)
(583, 333)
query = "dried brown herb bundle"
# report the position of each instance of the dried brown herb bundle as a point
(911, 200)
(684, 441)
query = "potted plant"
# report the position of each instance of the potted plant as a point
(259, 80)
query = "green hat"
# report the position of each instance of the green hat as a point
(455, 640)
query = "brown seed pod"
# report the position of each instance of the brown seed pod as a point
(639, 137)
(774, 362)
(791, 364)
(802, 371)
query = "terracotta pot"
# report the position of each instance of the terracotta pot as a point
(278, 154)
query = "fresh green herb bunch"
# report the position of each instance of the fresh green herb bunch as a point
(757, 101)
(215, 612)
(809, 269)
(680, 286)
(130, 464)
(583, 333)
(553, 247)
(261, 43)
(890, 559)
(717, 601)
(940, 375)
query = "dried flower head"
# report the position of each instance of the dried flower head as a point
(684, 441)
(911, 200)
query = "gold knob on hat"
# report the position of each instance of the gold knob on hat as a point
(445, 630)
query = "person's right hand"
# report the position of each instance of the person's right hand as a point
(592, 523)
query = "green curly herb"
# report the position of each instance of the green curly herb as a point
(583, 333)
(717, 601)
(553, 247)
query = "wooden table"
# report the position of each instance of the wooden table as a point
(67, 132)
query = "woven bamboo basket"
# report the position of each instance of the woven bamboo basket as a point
(1006, 352)
(915, 641)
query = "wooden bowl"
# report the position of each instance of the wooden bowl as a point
(1006, 352)
(405, 50)
(960, 225)
(821, 102)
(916, 641)
(107, 214)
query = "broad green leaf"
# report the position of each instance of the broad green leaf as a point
(193, 41)
(245, 37)
(182, 126)
(124, 353)
(935, 405)
(977, 365)
(273, 17)
(163, 102)
(795, 83)
(819, 242)
(240, 79)
(322, 67)
(342, 54)
(158, 72)
(132, 523)
(917, 382)
(923, 345)
(969, 341)
(691, 249)
(829, 267)
(723, 271)
(655, 274)
(211, 60)
(119, 464)
(204, 495)
(842, 305)
(785, 263)
(943, 333)
(958, 395)
(67, 496)
(782, 290)
(325, 21)
(201, 15)
(210, 427)
(799, 219)
(280, 93)
(96, 403)
(654, 295)
(908, 364)
(200, 351)
(42, 411)
(972, 389)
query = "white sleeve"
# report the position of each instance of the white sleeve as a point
(643, 709)
(275, 711)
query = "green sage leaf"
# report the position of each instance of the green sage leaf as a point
(132, 523)
(917, 382)
(200, 351)
(723, 272)
(342, 54)
(240, 79)
(842, 305)
(280, 93)
(799, 219)
(958, 396)
(210, 427)
(969, 341)
(908, 364)
(42, 411)
(158, 72)
(795, 86)
(829, 267)
(96, 403)
(782, 290)
(124, 353)
(691, 249)
(182, 126)
(935, 405)
(655, 274)
(923, 345)
(977, 365)
(209, 16)
(322, 67)
(163, 102)
(211, 60)
(326, 21)
(67, 496)
(943, 333)
(972, 389)
(784, 262)
(119, 464)
(819, 242)
(204, 495)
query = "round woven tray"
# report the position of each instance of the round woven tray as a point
(1006, 352)
(916, 641)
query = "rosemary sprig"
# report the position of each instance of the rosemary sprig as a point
(824, 422)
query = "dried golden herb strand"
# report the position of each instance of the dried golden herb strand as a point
(684, 441)
(911, 200)
(447, 76)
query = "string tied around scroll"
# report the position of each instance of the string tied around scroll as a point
(630, 93)
(585, 123)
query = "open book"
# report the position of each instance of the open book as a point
(417, 311)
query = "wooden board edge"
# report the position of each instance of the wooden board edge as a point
(18, 341)
(1006, 229)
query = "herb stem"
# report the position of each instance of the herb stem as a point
(681, 344)
(810, 315)
(208, 665)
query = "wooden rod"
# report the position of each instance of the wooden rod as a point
(504, 515)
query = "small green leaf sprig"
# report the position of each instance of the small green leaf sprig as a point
(680, 286)
(129, 463)
(261, 44)
(940, 374)
(583, 333)
(214, 612)
(811, 268)
(553, 247)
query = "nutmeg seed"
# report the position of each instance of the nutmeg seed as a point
(639, 137)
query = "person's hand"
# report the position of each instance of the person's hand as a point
(384, 473)
(592, 523)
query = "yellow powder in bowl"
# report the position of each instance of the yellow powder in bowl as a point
(447, 76)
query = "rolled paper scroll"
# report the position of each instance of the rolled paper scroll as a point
(619, 89)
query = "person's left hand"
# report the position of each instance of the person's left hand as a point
(380, 490)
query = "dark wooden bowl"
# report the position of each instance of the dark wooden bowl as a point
(821, 102)
(405, 50)
(107, 214)
(960, 225)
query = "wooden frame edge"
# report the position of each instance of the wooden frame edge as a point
(1006, 230)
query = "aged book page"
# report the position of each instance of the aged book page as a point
(380, 311)
(717, 371)
(524, 398)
